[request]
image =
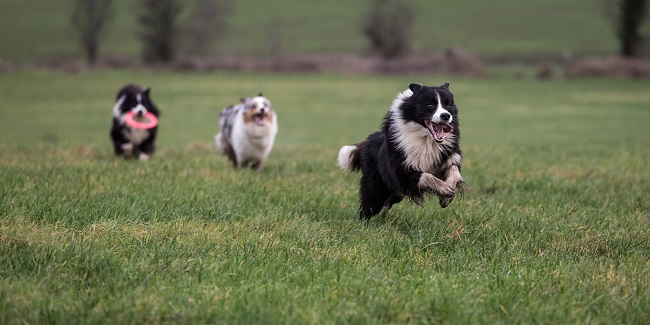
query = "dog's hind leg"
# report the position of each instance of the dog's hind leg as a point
(392, 199)
(226, 149)
(125, 149)
(373, 197)
(122, 147)
(369, 209)
(230, 153)
(259, 166)
(147, 148)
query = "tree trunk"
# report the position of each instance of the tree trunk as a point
(632, 14)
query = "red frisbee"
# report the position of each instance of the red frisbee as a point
(147, 121)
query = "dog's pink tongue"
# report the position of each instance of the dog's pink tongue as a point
(260, 120)
(439, 130)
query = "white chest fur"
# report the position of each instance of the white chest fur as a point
(136, 136)
(252, 141)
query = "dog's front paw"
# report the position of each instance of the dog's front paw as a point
(127, 149)
(445, 201)
(443, 190)
(436, 185)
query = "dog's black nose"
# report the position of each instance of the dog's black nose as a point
(445, 116)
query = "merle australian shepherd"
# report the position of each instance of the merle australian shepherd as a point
(416, 152)
(128, 141)
(247, 132)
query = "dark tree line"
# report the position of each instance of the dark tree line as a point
(386, 25)
(161, 31)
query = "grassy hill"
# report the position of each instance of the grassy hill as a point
(504, 28)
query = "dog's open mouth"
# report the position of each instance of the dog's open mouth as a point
(438, 130)
(140, 118)
(260, 119)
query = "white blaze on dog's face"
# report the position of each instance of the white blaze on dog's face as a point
(130, 103)
(139, 109)
(440, 123)
(441, 115)
(258, 110)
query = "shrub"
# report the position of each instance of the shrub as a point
(89, 19)
(387, 27)
(206, 24)
(159, 25)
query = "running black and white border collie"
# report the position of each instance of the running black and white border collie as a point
(128, 141)
(416, 153)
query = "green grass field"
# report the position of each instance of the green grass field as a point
(554, 229)
(41, 29)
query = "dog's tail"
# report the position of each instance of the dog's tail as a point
(350, 157)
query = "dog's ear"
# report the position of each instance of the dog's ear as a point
(260, 94)
(446, 85)
(147, 91)
(415, 87)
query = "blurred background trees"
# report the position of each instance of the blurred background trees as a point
(206, 24)
(162, 30)
(628, 17)
(165, 33)
(159, 28)
(387, 27)
(90, 19)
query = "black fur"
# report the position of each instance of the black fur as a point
(124, 136)
(387, 177)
